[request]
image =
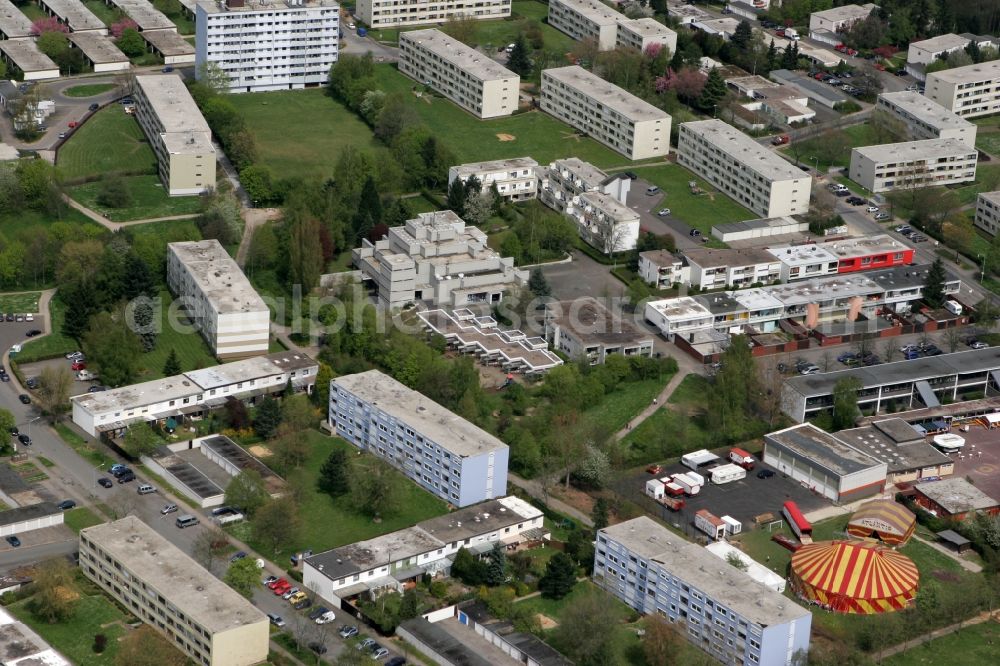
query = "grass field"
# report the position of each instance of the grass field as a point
(109, 142)
(25, 301)
(19, 222)
(80, 517)
(103, 11)
(701, 211)
(84, 448)
(972, 646)
(621, 406)
(75, 637)
(817, 147)
(89, 89)
(988, 142)
(192, 350)
(32, 11)
(149, 200)
(52, 344)
(335, 522)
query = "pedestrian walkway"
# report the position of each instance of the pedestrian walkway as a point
(964, 563)
(937, 633)
(662, 400)
(536, 490)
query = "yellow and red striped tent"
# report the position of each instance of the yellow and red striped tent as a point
(885, 520)
(854, 577)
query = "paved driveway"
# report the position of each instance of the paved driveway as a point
(647, 205)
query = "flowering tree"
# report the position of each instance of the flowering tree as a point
(48, 24)
(687, 83)
(121, 26)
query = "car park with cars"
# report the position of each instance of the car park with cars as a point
(169, 508)
(105, 482)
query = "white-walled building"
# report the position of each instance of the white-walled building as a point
(586, 19)
(606, 223)
(378, 14)
(585, 329)
(801, 262)
(828, 26)
(969, 91)
(663, 269)
(436, 257)
(926, 119)
(913, 164)
(736, 164)
(988, 212)
(608, 114)
(927, 51)
(642, 33)
(218, 298)
(516, 179)
(563, 182)
(268, 44)
(474, 81)
(177, 132)
(448, 456)
(718, 269)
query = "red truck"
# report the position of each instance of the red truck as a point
(781, 140)
(672, 503)
(741, 458)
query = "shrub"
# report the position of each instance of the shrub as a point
(100, 643)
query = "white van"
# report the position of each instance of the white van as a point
(186, 520)
(146, 489)
(953, 307)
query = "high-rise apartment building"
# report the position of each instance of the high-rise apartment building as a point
(378, 14)
(969, 91)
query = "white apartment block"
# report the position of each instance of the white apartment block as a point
(516, 179)
(383, 564)
(801, 262)
(591, 19)
(839, 19)
(663, 269)
(970, 91)
(268, 44)
(927, 51)
(192, 394)
(717, 269)
(563, 181)
(605, 112)
(988, 212)
(448, 456)
(913, 164)
(435, 257)
(165, 588)
(642, 33)
(585, 328)
(606, 223)
(746, 171)
(378, 14)
(717, 607)
(474, 81)
(926, 119)
(218, 298)
(177, 132)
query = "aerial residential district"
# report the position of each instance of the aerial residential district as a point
(499, 332)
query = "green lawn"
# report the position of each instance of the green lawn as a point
(25, 301)
(665, 434)
(89, 89)
(692, 390)
(110, 141)
(18, 223)
(81, 517)
(32, 11)
(328, 523)
(701, 211)
(149, 200)
(83, 448)
(53, 344)
(94, 615)
(621, 406)
(972, 646)
(987, 180)
(192, 350)
(817, 151)
(106, 13)
(988, 142)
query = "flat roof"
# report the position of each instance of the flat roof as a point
(174, 106)
(512, 346)
(465, 58)
(760, 223)
(590, 321)
(604, 93)
(956, 495)
(711, 258)
(744, 149)
(540, 652)
(646, 27)
(445, 428)
(845, 13)
(30, 512)
(25, 54)
(719, 303)
(925, 109)
(915, 150)
(752, 82)
(145, 15)
(822, 449)
(127, 398)
(757, 299)
(610, 205)
(21, 646)
(173, 574)
(488, 516)
(724, 583)
(896, 443)
(168, 42)
(585, 171)
(660, 257)
(993, 197)
(597, 12)
(725, 24)
(263, 5)
(13, 22)
(444, 643)
(682, 307)
(218, 276)
(827, 92)
(187, 143)
(472, 168)
(97, 48)
(849, 248)
(75, 14)
(941, 43)
(802, 255)
(968, 73)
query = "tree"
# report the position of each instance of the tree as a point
(741, 36)
(600, 514)
(478, 208)
(145, 647)
(305, 256)
(291, 449)
(140, 440)
(583, 633)
(52, 44)
(519, 60)
(456, 197)
(247, 492)
(56, 593)
(496, 565)
(237, 416)
(933, 293)
(120, 26)
(131, 43)
(559, 578)
(713, 92)
(594, 470)
(297, 413)
(276, 524)
(375, 490)
(662, 644)
(537, 284)
(112, 350)
(48, 24)
(845, 403)
(789, 58)
(145, 327)
(212, 75)
(137, 279)
(243, 576)
(333, 475)
(52, 396)
(208, 546)
(172, 366)
(772, 56)
(887, 127)
(267, 418)
(735, 388)
(468, 568)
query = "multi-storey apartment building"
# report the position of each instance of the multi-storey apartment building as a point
(868, 253)
(729, 615)
(926, 119)
(218, 298)
(605, 223)
(165, 588)
(746, 171)
(178, 133)
(445, 454)
(662, 269)
(616, 118)
(827, 26)
(802, 262)
(437, 258)
(586, 19)
(913, 164)
(564, 181)
(403, 13)
(268, 44)
(474, 81)
(717, 269)
(516, 179)
(585, 329)
(642, 33)
(988, 212)
(969, 91)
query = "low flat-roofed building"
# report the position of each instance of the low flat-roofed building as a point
(145, 15)
(586, 19)
(754, 569)
(685, 14)
(743, 169)
(379, 14)
(868, 253)
(158, 582)
(906, 452)
(656, 571)
(642, 33)
(21, 646)
(23, 519)
(927, 51)
(13, 22)
(516, 179)
(988, 212)
(824, 463)
(663, 269)
(24, 55)
(174, 49)
(926, 119)
(74, 14)
(968, 91)
(757, 229)
(218, 298)
(720, 268)
(839, 19)
(386, 562)
(683, 315)
(618, 119)
(445, 454)
(585, 329)
(954, 498)
(913, 164)
(802, 262)
(474, 81)
(724, 27)
(605, 223)
(100, 51)
(822, 93)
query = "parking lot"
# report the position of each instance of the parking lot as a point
(979, 459)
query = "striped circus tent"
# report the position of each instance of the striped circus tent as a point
(854, 577)
(885, 520)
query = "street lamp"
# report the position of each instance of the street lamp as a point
(95, 472)
(29, 425)
(982, 274)
(815, 164)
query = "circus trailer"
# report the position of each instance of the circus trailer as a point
(733, 526)
(727, 474)
(671, 488)
(655, 488)
(741, 458)
(689, 486)
(711, 525)
(796, 521)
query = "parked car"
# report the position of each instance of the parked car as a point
(326, 617)
(169, 508)
(316, 612)
(765, 474)
(276, 620)
(66, 505)
(302, 604)
(24, 439)
(652, 189)
(903, 228)
(71, 124)
(118, 470)
(126, 477)
(808, 369)
(918, 238)
(631, 175)
(396, 661)
(872, 209)
(694, 233)
(94, 107)
(367, 644)
(882, 216)
(105, 482)
(238, 555)
(978, 344)
(72, 356)
(33, 332)
(24, 398)
(663, 212)
(14, 541)
(379, 652)
(78, 365)
(275, 582)
(348, 631)
(296, 598)
(168, 69)
(317, 647)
